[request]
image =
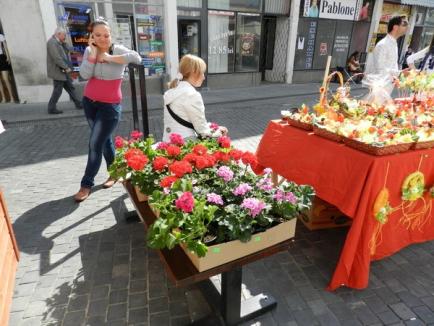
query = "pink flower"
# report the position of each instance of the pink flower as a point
(290, 197)
(135, 134)
(242, 189)
(253, 205)
(176, 139)
(214, 198)
(185, 202)
(119, 142)
(214, 126)
(162, 145)
(224, 141)
(265, 184)
(279, 195)
(225, 173)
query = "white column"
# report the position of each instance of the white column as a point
(292, 39)
(171, 37)
(375, 23)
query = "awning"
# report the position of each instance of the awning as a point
(422, 3)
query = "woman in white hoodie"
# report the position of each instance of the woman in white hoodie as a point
(184, 111)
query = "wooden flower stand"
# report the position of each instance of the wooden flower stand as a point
(227, 305)
(9, 256)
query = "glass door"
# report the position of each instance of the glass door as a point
(188, 37)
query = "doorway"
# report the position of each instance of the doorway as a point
(267, 47)
(188, 37)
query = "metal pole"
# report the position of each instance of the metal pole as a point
(131, 68)
(143, 100)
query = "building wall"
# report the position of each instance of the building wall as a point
(27, 46)
(245, 79)
(278, 73)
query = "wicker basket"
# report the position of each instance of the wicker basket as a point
(299, 124)
(324, 89)
(375, 150)
(322, 132)
(424, 144)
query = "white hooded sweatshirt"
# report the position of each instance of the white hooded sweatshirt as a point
(187, 103)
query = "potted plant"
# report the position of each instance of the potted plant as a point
(208, 199)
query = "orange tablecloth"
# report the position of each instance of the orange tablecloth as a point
(351, 180)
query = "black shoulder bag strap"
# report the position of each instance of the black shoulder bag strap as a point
(425, 59)
(182, 122)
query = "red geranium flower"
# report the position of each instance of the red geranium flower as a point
(173, 150)
(190, 157)
(214, 126)
(185, 202)
(119, 142)
(162, 145)
(200, 149)
(136, 134)
(249, 158)
(221, 156)
(160, 163)
(224, 141)
(179, 168)
(168, 181)
(136, 159)
(236, 154)
(201, 162)
(211, 160)
(176, 139)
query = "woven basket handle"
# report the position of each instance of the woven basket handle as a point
(324, 89)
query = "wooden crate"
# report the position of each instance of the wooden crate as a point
(9, 256)
(323, 215)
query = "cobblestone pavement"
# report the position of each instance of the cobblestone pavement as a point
(87, 265)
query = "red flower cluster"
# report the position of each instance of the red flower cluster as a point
(173, 150)
(214, 126)
(168, 181)
(136, 159)
(249, 158)
(185, 202)
(135, 134)
(224, 141)
(221, 156)
(179, 168)
(200, 149)
(162, 145)
(176, 139)
(160, 163)
(119, 142)
(236, 154)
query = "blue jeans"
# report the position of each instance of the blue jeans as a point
(103, 119)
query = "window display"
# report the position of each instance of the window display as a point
(241, 5)
(221, 39)
(247, 42)
(150, 44)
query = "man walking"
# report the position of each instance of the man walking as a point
(58, 69)
(385, 56)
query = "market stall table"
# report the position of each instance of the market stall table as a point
(352, 180)
(227, 305)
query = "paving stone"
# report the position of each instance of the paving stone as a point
(158, 305)
(424, 313)
(78, 303)
(138, 315)
(402, 311)
(160, 319)
(137, 300)
(118, 296)
(118, 311)
(98, 307)
(388, 317)
(99, 292)
(74, 318)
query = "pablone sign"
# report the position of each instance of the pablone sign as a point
(332, 9)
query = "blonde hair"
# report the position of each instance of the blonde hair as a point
(188, 66)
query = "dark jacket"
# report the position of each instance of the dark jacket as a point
(57, 59)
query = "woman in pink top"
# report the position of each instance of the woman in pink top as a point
(103, 65)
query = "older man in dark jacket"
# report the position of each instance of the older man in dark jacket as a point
(58, 68)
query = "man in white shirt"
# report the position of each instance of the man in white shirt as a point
(385, 55)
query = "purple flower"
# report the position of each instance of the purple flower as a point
(290, 197)
(166, 191)
(214, 198)
(265, 184)
(255, 206)
(267, 171)
(279, 195)
(225, 173)
(242, 189)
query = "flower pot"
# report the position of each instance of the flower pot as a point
(223, 253)
(141, 197)
(9, 256)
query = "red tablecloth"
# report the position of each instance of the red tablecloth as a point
(351, 180)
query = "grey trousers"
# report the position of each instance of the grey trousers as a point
(59, 85)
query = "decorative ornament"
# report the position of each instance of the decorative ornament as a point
(413, 186)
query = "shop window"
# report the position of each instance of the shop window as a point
(189, 3)
(359, 38)
(429, 20)
(277, 7)
(428, 35)
(221, 39)
(150, 38)
(341, 43)
(305, 44)
(323, 43)
(248, 42)
(237, 5)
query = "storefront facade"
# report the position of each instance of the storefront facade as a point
(423, 31)
(329, 28)
(243, 42)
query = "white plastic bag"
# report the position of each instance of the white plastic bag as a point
(380, 88)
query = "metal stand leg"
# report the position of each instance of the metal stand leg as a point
(228, 305)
